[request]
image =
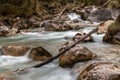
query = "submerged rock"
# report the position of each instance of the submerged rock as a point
(35, 53)
(100, 71)
(81, 35)
(10, 75)
(113, 32)
(74, 55)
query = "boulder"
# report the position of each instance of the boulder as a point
(102, 27)
(15, 50)
(39, 54)
(113, 32)
(81, 35)
(100, 15)
(74, 55)
(100, 71)
(4, 31)
(35, 53)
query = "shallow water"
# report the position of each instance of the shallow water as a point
(52, 42)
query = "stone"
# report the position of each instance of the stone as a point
(81, 35)
(100, 71)
(74, 55)
(113, 32)
(100, 15)
(10, 75)
(15, 50)
(39, 54)
(56, 26)
(102, 27)
(4, 31)
(35, 53)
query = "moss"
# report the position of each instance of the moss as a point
(113, 29)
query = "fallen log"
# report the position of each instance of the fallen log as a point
(62, 12)
(62, 52)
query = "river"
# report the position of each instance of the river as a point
(52, 42)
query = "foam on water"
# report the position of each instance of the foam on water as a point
(6, 60)
(51, 35)
(73, 16)
(50, 73)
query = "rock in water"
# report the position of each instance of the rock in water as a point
(35, 53)
(102, 27)
(15, 50)
(74, 55)
(113, 32)
(10, 75)
(81, 35)
(4, 31)
(100, 71)
(39, 54)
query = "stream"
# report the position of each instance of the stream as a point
(52, 41)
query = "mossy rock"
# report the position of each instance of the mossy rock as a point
(113, 32)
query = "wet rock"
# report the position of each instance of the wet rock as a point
(4, 31)
(74, 55)
(35, 53)
(102, 27)
(39, 54)
(15, 50)
(100, 71)
(81, 35)
(10, 75)
(113, 32)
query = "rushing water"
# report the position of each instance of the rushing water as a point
(52, 41)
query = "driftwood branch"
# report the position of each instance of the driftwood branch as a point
(104, 4)
(62, 52)
(62, 12)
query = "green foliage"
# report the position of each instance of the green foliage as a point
(6, 9)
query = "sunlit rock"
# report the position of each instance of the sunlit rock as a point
(100, 71)
(113, 32)
(74, 55)
(15, 50)
(102, 27)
